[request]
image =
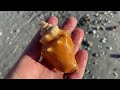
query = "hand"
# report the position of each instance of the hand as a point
(28, 66)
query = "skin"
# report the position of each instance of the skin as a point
(29, 67)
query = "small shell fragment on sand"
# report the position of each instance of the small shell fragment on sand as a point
(87, 71)
(90, 43)
(93, 77)
(103, 40)
(94, 31)
(95, 63)
(110, 48)
(105, 13)
(102, 27)
(88, 48)
(1, 33)
(95, 55)
(115, 74)
(96, 14)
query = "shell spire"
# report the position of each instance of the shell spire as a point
(48, 32)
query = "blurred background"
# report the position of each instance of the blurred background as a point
(102, 38)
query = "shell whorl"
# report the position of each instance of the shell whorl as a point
(48, 32)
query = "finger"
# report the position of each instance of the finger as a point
(33, 50)
(69, 24)
(81, 57)
(52, 20)
(77, 37)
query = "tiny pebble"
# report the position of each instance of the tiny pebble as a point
(110, 48)
(97, 35)
(105, 13)
(18, 30)
(93, 31)
(95, 55)
(93, 77)
(104, 24)
(84, 39)
(15, 24)
(103, 52)
(88, 48)
(95, 63)
(90, 43)
(11, 32)
(95, 22)
(33, 25)
(108, 21)
(87, 71)
(97, 14)
(115, 74)
(99, 46)
(98, 77)
(111, 14)
(100, 18)
(0, 33)
(113, 35)
(8, 38)
(102, 27)
(86, 32)
(10, 43)
(109, 11)
(103, 40)
(98, 27)
(84, 78)
(87, 15)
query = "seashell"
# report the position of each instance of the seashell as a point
(57, 48)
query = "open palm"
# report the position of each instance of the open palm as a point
(29, 67)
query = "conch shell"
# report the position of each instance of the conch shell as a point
(57, 48)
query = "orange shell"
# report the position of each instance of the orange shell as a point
(58, 49)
